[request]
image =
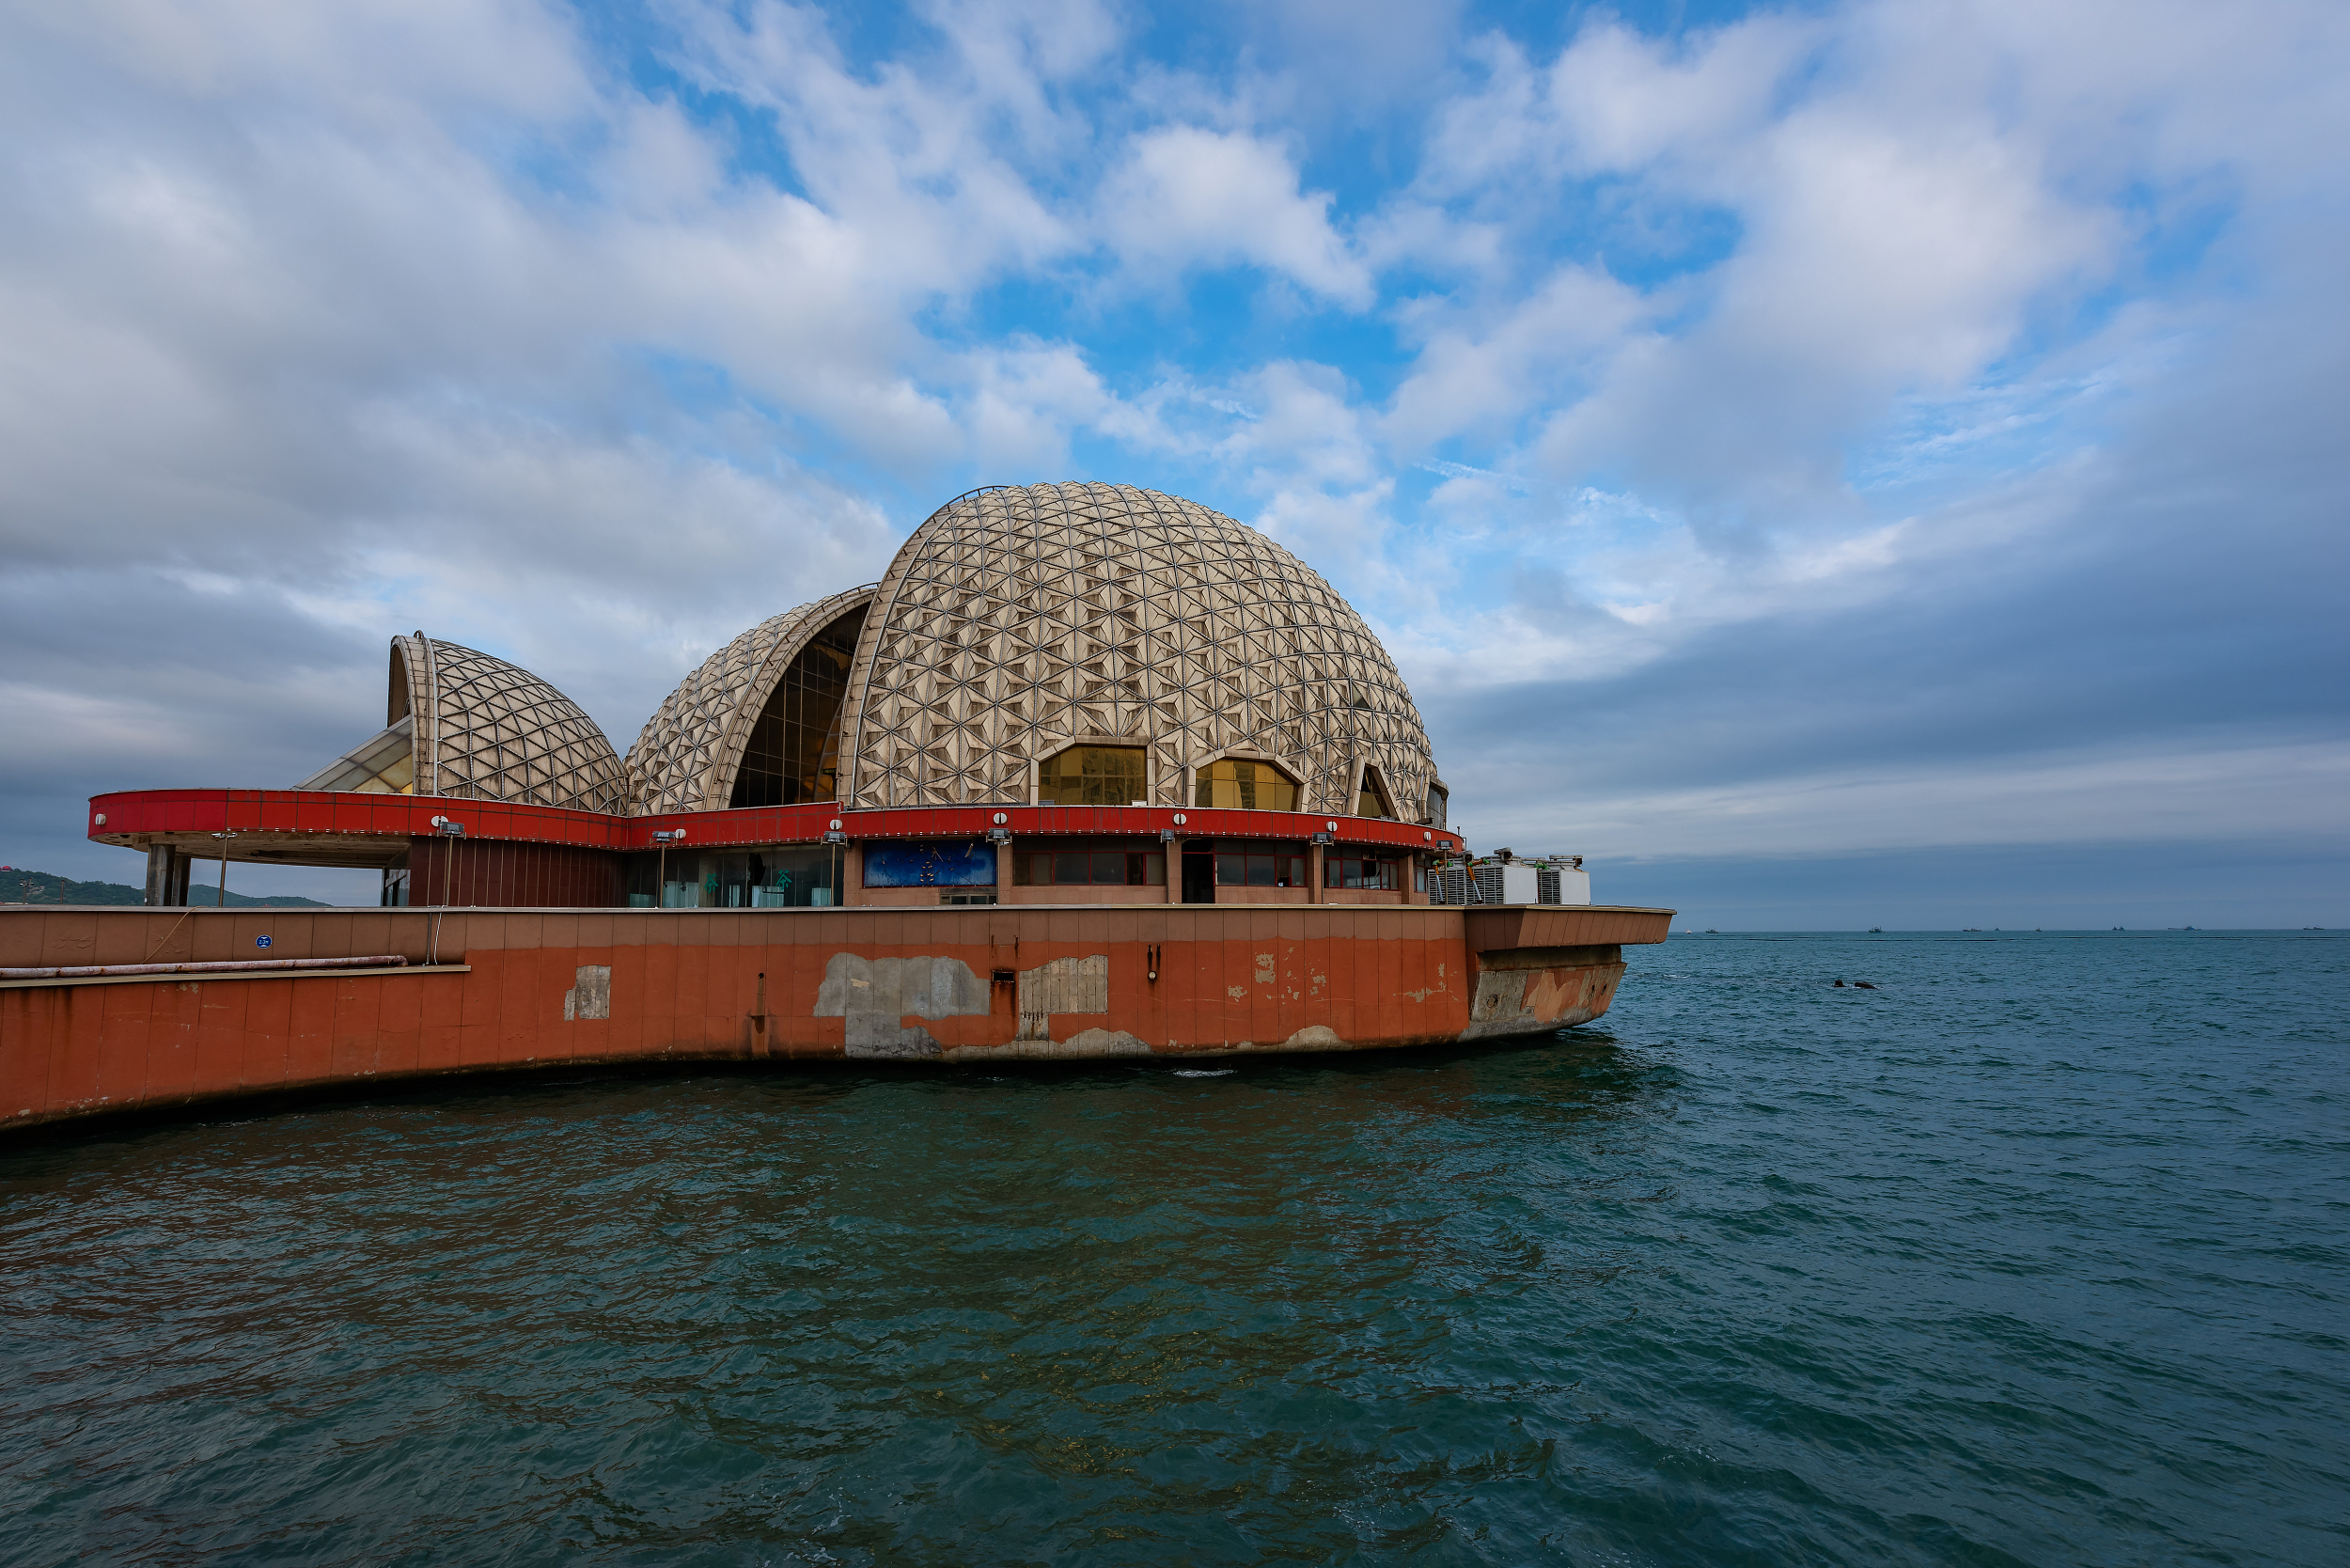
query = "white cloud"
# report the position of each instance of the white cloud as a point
(1193, 197)
(1482, 376)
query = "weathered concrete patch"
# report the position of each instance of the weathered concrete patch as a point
(590, 996)
(873, 995)
(1062, 985)
(1084, 1044)
(1538, 1000)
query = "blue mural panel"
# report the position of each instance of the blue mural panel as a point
(941, 863)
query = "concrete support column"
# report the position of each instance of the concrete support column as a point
(1313, 874)
(1003, 873)
(160, 866)
(851, 873)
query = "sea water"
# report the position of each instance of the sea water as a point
(2035, 1253)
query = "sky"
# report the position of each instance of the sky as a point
(1832, 465)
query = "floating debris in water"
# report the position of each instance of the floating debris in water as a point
(1204, 1072)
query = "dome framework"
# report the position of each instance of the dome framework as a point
(1020, 621)
(463, 723)
(690, 753)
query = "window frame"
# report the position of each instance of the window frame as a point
(1199, 780)
(1333, 879)
(1284, 857)
(1037, 766)
(1025, 859)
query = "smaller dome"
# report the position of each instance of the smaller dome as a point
(492, 730)
(691, 753)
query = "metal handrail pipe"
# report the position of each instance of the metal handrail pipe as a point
(375, 960)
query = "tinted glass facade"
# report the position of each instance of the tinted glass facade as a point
(793, 753)
(1245, 786)
(1091, 775)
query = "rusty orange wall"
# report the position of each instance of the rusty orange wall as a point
(684, 984)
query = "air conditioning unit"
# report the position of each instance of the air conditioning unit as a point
(1511, 884)
(1567, 883)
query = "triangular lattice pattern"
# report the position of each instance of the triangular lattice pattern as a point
(687, 757)
(1017, 621)
(495, 731)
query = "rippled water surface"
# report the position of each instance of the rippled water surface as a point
(2037, 1253)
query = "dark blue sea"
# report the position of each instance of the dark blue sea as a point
(2037, 1253)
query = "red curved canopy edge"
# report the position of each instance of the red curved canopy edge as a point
(132, 814)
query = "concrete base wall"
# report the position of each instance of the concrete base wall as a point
(977, 984)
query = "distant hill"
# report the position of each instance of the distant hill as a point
(21, 887)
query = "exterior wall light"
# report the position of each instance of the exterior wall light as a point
(448, 829)
(1167, 835)
(1325, 838)
(1000, 820)
(833, 833)
(670, 835)
(1179, 819)
(999, 835)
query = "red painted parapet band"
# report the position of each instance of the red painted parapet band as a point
(131, 815)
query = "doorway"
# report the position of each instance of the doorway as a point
(1200, 872)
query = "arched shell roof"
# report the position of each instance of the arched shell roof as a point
(492, 730)
(688, 755)
(1020, 620)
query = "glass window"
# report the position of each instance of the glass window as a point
(1115, 867)
(1351, 871)
(787, 876)
(1372, 799)
(1091, 775)
(1245, 786)
(384, 763)
(1259, 868)
(794, 751)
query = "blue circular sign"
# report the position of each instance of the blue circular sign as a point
(260, 941)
